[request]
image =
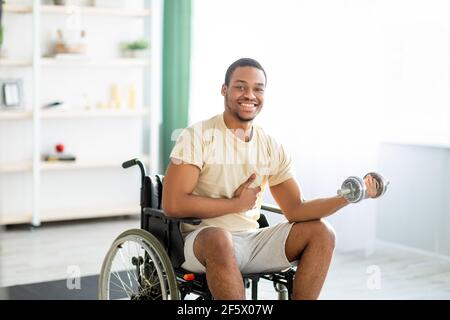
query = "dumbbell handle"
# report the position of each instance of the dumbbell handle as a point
(343, 192)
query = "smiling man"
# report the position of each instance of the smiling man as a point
(218, 171)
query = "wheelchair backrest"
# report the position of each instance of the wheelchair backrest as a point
(159, 182)
(152, 192)
(151, 198)
(165, 230)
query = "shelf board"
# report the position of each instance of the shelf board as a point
(96, 11)
(84, 164)
(15, 218)
(92, 62)
(71, 214)
(17, 8)
(17, 166)
(15, 114)
(6, 62)
(96, 113)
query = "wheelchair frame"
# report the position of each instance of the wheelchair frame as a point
(167, 231)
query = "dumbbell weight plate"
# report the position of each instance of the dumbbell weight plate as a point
(353, 189)
(382, 183)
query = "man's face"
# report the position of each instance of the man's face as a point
(244, 97)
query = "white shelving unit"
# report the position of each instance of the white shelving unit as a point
(133, 13)
(17, 8)
(97, 133)
(76, 165)
(70, 114)
(86, 62)
(16, 114)
(17, 166)
(15, 63)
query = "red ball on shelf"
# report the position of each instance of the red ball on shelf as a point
(59, 148)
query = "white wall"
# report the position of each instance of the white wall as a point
(342, 76)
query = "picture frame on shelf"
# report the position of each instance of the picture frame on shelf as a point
(11, 92)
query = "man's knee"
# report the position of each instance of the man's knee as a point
(214, 244)
(317, 232)
(324, 233)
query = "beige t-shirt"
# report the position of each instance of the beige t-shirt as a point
(225, 162)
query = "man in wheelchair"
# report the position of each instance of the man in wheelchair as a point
(218, 171)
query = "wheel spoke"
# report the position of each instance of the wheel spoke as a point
(150, 277)
(135, 277)
(126, 268)
(160, 275)
(117, 275)
(122, 288)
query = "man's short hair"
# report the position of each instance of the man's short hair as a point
(243, 62)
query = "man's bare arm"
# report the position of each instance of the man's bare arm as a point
(178, 201)
(288, 196)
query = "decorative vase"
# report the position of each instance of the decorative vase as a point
(136, 54)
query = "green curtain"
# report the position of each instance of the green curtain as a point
(176, 71)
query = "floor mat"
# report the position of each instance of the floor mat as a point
(55, 290)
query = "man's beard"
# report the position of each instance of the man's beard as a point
(236, 113)
(243, 119)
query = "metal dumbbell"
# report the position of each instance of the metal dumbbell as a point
(354, 189)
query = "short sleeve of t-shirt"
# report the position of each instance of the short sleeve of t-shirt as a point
(283, 169)
(188, 148)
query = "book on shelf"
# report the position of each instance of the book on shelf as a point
(59, 157)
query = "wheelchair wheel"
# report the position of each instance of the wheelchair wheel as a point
(137, 267)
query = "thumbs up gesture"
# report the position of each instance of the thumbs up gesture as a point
(245, 195)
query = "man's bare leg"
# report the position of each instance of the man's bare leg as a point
(312, 243)
(213, 247)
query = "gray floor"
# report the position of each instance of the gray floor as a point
(55, 251)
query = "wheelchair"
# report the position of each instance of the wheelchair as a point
(145, 263)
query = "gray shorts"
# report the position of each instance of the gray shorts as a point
(256, 251)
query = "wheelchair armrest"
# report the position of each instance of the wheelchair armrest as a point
(271, 208)
(161, 214)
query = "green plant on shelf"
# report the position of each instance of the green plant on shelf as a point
(135, 49)
(137, 45)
